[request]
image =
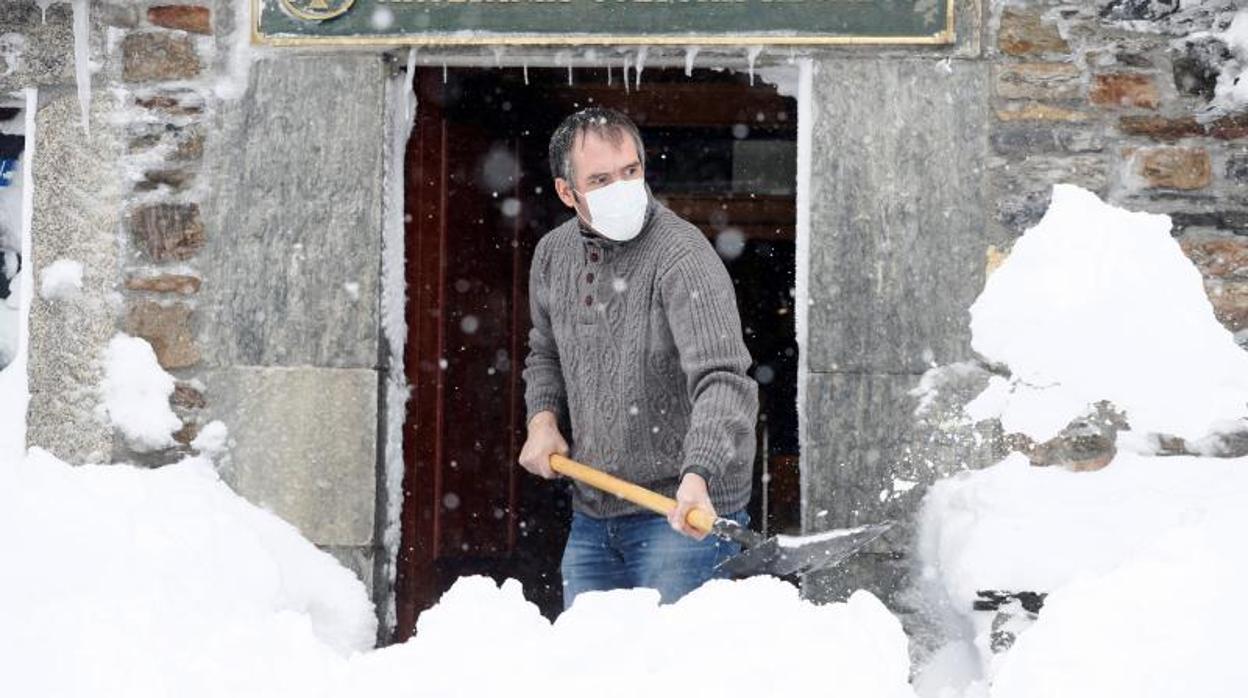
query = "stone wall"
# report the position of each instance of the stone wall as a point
(229, 214)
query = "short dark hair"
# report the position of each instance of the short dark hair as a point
(609, 123)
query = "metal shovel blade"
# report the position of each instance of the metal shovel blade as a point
(784, 555)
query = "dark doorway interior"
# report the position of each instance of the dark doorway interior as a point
(720, 152)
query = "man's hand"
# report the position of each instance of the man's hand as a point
(692, 494)
(543, 440)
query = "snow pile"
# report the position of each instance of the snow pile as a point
(1232, 87)
(1142, 559)
(212, 440)
(1022, 528)
(61, 280)
(137, 582)
(132, 582)
(136, 394)
(623, 643)
(1097, 303)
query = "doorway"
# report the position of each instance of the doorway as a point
(719, 151)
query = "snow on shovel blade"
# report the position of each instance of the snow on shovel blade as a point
(784, 555)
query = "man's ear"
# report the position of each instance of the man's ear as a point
(565, 192)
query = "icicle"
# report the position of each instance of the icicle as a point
(443, 72)
(751, 55)
(526, 72)
(82, 61)
(690, 53)
(498, 55)
(569, 71)
(43, 8)
(626, 73)
(608, 75)
(641, 63)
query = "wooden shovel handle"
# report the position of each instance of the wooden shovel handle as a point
(642, 497)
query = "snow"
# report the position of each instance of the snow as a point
(61, 280)
(1232, 87)
(1165, 624)
(623, 643)
(136, 394)
(1140, 559)
(1098, 303)
(400, 117)
(1018, 527)
(163, 582)
(802, 234)
(212, 439)
(194, 592)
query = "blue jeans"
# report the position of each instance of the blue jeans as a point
(639, 550)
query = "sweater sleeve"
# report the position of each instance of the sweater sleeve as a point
(701, 308)
(543, 375)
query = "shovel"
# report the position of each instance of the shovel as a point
(778, 555)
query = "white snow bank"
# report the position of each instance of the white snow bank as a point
(134, 582)
(136, 394)
(61, 280)
(1143, 562)
(212, 439)
(1097, 303)
(1167, 624)
(752, 637)
(122, 581)
(1016, 527)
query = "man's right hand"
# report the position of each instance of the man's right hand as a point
(543, 440)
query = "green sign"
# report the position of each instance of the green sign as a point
(583, 22)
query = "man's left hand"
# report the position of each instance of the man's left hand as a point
(692, 494)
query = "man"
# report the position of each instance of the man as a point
(636, 344)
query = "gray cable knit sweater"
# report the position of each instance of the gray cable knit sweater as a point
(638, 345)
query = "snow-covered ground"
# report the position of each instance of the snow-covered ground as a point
(136, 582)
(125, 581)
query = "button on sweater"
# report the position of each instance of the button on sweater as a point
(637, 347)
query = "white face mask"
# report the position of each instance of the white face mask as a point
(618, 210)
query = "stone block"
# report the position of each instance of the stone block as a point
(158, 56)
(168, 329)
(1222, 220)
(298, 167)
(187, 397)
(1024, 32)
(176, 104)
(893, 237)
(1026, 140)
(1124, 90)
(189, 18)
(1228, 127)
(174, 179)
(36, 47)
(77, 198)
(1219, 258)
(1174, 167)
(303, 445)
(1037, 111)
(165, 283)
(1196, 67)
(1230, 303)
(1042, 81)
(1237, 167)
(168, 232)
